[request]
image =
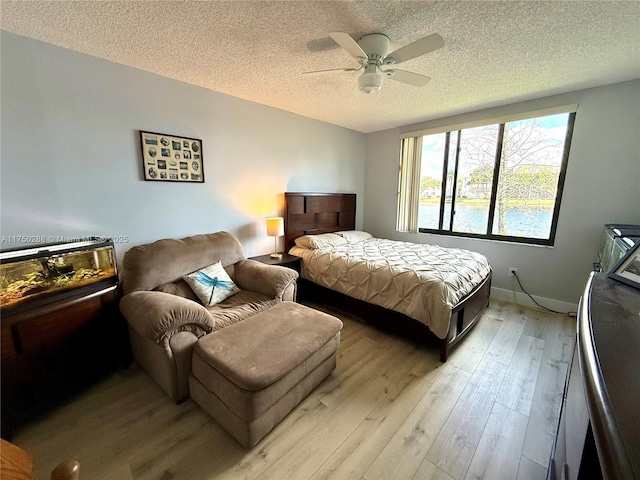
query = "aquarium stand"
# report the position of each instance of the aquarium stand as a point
(53, 352)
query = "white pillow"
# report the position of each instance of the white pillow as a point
(211, 284)
(354, 235)
(320, 241)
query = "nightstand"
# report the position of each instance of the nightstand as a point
(290, 261)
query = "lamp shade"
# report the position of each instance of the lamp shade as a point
(275, 226)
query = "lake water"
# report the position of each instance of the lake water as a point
(520, 222)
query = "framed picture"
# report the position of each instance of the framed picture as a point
(167, 158)
(627, 270)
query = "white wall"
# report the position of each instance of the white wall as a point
(71, 162)
(602, 186)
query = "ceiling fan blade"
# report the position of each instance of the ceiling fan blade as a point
(332, 70)
(409, 78)
(415, 49)
(347, 42)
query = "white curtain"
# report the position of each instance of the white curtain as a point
(409, 185)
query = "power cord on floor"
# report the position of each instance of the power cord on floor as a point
(568, 314)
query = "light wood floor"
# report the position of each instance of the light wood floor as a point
(390, 410)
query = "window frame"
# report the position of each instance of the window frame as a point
(550, 241)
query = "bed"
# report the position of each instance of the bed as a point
(428, 289)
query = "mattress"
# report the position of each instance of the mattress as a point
(424, 282)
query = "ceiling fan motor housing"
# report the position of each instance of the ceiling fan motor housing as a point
(376, 46)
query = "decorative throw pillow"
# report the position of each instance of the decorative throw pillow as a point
(211, 284)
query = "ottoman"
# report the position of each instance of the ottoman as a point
(250, 375)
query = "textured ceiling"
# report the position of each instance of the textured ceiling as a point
(495, 52)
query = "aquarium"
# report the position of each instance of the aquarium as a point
(35, 275)
(618, 239)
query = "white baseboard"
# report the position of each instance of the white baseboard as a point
(524, 300)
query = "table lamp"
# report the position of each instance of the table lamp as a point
(275, 229)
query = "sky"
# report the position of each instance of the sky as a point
(554, 126)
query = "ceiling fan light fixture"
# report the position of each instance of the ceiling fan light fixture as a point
(370, 82)
(371, 52)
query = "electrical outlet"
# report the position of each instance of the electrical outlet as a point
(513, 271)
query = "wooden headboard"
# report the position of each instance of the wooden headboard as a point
(314, 213)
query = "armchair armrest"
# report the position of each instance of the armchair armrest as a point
(271, 280)
(158, 315)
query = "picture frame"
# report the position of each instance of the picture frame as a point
(170, 158)
(627, 270)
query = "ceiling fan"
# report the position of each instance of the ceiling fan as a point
(371, 52)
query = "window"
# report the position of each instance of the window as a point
(500, 181)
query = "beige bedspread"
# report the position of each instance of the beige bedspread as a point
(421, 281)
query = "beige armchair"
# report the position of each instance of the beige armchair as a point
(166, 318)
